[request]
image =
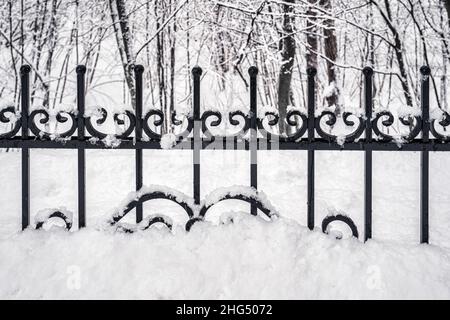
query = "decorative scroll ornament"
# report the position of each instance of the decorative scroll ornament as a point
(271, 119)
(339, 217)
(413, 122)
(243, 193)
(119, 119)
(12, 116)
(331, 121)
(177, 120)
(44, 216)
(237, 119)
(60, 117)
(146, 194)
(153, 192)
(444, 121)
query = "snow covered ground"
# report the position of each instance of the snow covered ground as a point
(250, 258)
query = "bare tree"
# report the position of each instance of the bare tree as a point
(330, 47)
(287, 63)
(122, 32)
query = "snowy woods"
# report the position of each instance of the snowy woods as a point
(224, 37)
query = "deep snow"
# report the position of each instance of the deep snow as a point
(250, 258)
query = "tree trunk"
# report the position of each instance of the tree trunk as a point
(287, 64)
(123, 37)
(330, 46)
(447, 8)
(311, 37)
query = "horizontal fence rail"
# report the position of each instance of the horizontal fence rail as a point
(308, 130)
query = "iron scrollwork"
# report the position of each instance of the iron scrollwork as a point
(102, 115)
(271, 119)
(65, 216)
(236, 118)
(386, 118)
(158, 120)
(444, 121)
(340, 217)
(13, 118)
(331, 121)
(61, 116)
(156, 192)
(195, 213)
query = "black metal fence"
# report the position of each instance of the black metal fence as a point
(368, 134)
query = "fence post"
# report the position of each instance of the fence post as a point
(311, 72)
(196, 73)
(368, 103)
(81, 70)
(425, 154)
(138, 71)
(25, 104)
(253, 72)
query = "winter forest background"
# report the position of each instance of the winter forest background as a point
(224, 37)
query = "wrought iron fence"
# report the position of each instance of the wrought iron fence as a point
(253, 132)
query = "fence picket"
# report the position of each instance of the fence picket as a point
(425, 154)
(25, 102)
(368, 103)
(81, 71)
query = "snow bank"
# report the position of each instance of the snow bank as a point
(249, 258)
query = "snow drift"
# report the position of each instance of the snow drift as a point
(242, 257)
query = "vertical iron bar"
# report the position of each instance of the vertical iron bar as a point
(81, 70)
(253, 72)
(425, 155)
(368, 103)
(25, 102)
(311, 72)
(138, 71)
(196, 73)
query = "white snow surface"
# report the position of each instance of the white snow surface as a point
(249, 258)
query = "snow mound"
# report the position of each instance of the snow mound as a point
(248, 259)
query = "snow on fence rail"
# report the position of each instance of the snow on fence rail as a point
(309, 130)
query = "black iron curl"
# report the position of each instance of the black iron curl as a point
(56, 214)
(4, 119)
(291, 120)
(121, 212)
(116, 116)
(332, 119)
(235, 118)
(158, 121)
(444, 122)
(61, 117)
(340, 217)
(413, 122)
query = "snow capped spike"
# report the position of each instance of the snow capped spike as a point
(253, 71)
(311, 71)
(425, 70)
(197, 71)
(25, 69)
(81, 69)
(368, 71)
